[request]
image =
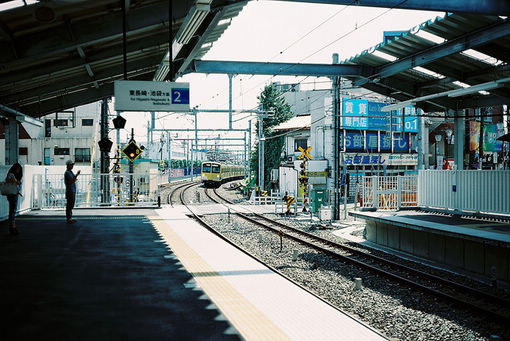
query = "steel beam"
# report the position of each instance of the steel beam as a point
(94, 57)
(456, 45)
(199, 130)
(287, 69)
(79, 82)
(208, 139)
(494, 7)
(63, 102)
(97, 29)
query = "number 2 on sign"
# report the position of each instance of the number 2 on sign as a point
(177, 98)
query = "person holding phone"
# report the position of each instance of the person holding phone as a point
(70, 182)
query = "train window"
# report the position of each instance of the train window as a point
(215, 168)
(206, 168)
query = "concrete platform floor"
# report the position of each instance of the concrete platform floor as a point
(104, 278)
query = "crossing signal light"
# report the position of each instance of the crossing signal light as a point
(303, 181)
(132, 151)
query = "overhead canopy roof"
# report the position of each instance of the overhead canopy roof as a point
(454, 52)
(60, 54)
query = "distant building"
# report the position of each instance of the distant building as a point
(63, 135)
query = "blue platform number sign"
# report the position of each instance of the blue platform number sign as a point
(180, 96)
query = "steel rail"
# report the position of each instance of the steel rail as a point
(411, 283)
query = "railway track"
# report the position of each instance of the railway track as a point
(474, 299)
(179, 188)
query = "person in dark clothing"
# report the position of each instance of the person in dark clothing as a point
(14, 175)
(70, 181)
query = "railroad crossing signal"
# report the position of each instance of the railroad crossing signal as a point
(132, 151)
(305, 153)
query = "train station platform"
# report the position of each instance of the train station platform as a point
(150, 275)
(478, 246)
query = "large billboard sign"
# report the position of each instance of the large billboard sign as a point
(151, 96)
(490, 134)
(355, 113)
(364, 115)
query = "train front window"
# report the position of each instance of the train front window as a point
(215, 168)
(206, 168)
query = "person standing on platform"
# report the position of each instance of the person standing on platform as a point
(70, 181)
(14, 175)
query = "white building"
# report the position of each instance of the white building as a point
(64, 135)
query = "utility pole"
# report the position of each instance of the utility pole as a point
(244, 155)
(230, 101)
(249, 148)
(105, 162)
(196, 135)
(336, 151)
(169, 157)
(131, 169)
(261, 151)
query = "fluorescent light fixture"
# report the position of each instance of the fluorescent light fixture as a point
(224, 21)
(481, 57)
(474, 88)
(386, 56)
(191, 23)
(450, 93)
(461, 84)
(430, 37)
(162, 70)
(428, 72)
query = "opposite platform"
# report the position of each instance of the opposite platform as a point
(479, 247)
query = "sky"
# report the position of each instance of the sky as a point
(280, 31)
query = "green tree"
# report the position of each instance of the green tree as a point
(270, 99)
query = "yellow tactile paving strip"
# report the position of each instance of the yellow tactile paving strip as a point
(250, 322)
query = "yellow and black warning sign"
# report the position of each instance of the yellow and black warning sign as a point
(132, 151)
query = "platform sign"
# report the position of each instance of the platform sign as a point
(132, 151)
(151, 96)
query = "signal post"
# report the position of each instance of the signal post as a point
(303, 176)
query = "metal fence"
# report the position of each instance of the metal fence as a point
(465, 190)
(94, 190)
(388, 192)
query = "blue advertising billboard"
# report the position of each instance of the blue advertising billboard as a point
(354, 141)
(365, 115)
(354, 113)
(377, 119)
(400, 144)
(385, 142)
(372, 142)
(410, 120)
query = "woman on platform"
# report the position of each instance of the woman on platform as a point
(15, 174)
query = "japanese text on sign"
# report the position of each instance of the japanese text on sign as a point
(379, 160)
(151, 96)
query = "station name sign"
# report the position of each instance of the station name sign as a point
(151, 96)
